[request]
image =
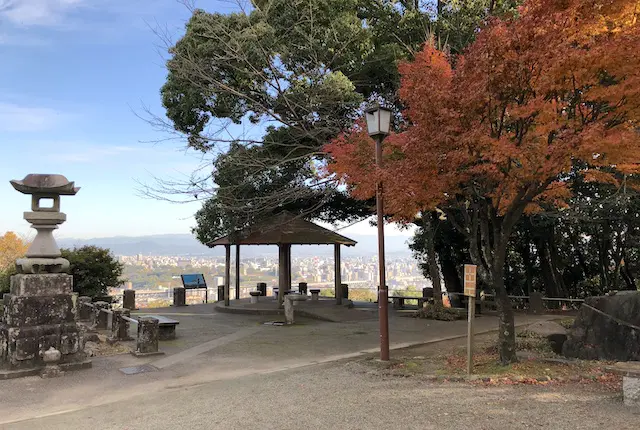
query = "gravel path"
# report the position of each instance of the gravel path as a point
(336, 396)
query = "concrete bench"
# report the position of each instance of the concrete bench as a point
(166, 327)
(315, 294)
(630, 372)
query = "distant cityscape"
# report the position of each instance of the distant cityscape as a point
(154, 277)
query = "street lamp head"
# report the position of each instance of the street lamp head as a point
(378, 120)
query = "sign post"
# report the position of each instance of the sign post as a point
(195, 282)
(470, 292)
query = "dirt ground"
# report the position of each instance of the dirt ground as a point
(338, 396)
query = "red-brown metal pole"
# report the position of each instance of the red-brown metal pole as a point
(383, 294)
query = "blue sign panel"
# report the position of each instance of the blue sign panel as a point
(194, 281)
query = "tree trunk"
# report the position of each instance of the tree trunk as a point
(603, 256)
(506, 328)
(550, 286)
(525, 252)
(555, 261)
(451, 279)
(434, 271)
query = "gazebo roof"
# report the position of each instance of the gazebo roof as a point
(284, 228)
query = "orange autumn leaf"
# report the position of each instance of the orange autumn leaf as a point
(508, 120)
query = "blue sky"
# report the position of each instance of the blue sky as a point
(75, 74)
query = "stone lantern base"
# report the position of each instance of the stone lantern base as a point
(38, 315)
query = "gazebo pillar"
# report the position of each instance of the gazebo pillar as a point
(237, 272)
(288, 267)
(282, 271)
(227, 273)
(338, 273)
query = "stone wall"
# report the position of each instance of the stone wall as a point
(597, 337)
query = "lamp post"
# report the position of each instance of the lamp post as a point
(378, 126)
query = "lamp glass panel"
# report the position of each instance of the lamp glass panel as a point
(372, 122)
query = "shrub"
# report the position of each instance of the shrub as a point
(94, 270)
(438, 312)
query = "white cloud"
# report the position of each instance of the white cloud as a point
(37, 12)
(86, 154)
(19, 118)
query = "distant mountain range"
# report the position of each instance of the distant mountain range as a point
(187, 245)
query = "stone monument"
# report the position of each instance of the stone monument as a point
(39, 318)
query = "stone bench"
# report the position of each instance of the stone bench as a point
(166, 327)
(630, 372)
(398, 301)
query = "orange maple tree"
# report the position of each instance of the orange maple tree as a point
(12, 247)
(536, 101)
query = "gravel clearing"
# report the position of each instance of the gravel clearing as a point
(337, 396)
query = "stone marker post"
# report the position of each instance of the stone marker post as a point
(100, 317)
(129, 299)
(84, 308)
(344, 290)
(302, 287)
(120, 325)
(262, 287)
(179, 296)
(38, 326)
(147, 341)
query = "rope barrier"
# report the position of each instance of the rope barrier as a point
(618, 320)
(131, 320)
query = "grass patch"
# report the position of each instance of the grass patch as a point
(567, 322)
(447, 362)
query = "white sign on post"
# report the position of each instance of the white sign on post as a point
(470, 291)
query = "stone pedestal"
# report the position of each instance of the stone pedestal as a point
(39, 315)
(255, 295)
(129, 299)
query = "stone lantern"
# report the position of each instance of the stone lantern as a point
(39, 317)
(43, 254)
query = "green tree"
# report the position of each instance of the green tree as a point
(94, 270)
(300, 71)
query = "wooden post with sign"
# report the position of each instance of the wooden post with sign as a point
(470, 292)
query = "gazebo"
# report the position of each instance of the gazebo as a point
(284, 229)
